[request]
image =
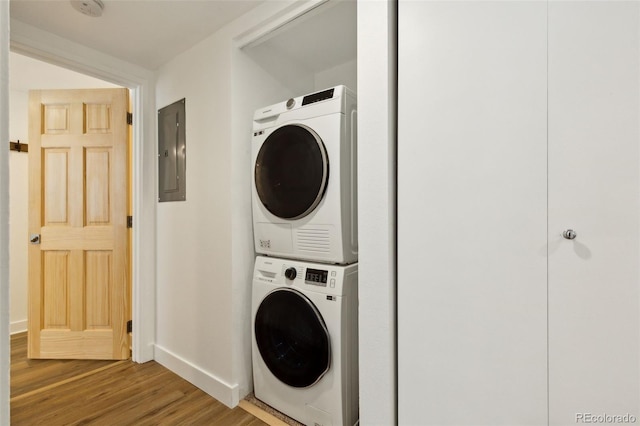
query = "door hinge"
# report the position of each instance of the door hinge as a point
(129, 118)
(130, 326)
(129, 221)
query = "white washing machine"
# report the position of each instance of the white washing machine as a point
(304, 175)
(305, 340)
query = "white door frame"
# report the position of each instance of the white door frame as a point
(4, 215)
(38, 44)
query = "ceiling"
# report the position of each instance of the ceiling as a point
(147, 33)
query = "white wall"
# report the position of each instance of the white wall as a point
(194, 236)
(377, 46)
(25, 74)
(18, 211)
(345, 73)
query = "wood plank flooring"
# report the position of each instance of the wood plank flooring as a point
(73, 392)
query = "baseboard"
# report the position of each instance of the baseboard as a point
(18, 327)
(214, 386)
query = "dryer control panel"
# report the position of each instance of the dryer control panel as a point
(317, 97)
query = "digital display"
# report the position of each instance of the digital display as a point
(317, 97)
(316, 276)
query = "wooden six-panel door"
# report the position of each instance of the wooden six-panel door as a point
(78, 282)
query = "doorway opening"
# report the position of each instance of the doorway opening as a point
(28, 74)
(140, 85)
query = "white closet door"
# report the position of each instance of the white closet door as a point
(594, 189)
(472, 213)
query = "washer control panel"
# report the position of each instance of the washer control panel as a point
(316, 277)
(320, 277)
(312, 276)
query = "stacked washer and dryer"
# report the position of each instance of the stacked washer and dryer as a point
(305, 279)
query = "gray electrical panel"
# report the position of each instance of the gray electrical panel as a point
(172, 153)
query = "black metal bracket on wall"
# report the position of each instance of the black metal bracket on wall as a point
(19, 147)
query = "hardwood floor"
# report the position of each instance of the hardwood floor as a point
(72, 392)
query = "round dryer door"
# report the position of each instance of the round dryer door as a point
(292, 338)
(291, 171)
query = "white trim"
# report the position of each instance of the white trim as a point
(18, 327)
(219, 389)
(5, 349)
(48, 47)
(31, 41)
(272, 26)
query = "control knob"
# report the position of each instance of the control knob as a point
(290, 273)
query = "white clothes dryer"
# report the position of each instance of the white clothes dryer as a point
(305, 340)
(304, 178)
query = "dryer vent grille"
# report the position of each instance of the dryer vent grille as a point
(313, 240)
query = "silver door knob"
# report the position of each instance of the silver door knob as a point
(569, 234)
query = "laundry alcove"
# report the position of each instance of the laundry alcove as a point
(305, 49)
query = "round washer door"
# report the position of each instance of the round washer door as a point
(292, 338)
(291, 171)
